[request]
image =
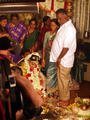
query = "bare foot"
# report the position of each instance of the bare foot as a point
(63, 103)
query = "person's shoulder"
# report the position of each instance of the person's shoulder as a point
(36, 31)
(22, 24)
(43, 29)
(10, 25)
(47, 33)
(70, 28)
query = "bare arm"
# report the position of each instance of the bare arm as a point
(4, 52)
(4, 35)
(43, 57)
(28, 90)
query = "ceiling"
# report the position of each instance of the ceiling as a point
(20, 1)
(19, 6)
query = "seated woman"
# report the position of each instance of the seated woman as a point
(31, 37)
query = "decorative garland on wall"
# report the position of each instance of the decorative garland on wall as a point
(51, 6)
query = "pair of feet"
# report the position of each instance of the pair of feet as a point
(63, 103)
(74, 85)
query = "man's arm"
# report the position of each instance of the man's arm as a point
(28, 89)
(63, 53)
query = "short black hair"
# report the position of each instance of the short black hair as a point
(4, 43)
(14, 15)
(33, 19)
(55, 21)
(3, 17)
(46, 18)
(61, 11)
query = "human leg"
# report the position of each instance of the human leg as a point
(63, 74)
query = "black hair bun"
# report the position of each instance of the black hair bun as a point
(4, 43)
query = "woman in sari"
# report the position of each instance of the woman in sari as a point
(3, 23)
(48, 39)
(17, 32)
(50, 68)
(29, 43)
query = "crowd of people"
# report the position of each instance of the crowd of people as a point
(57, 42)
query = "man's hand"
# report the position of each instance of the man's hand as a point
(28, 90)
(58, 62)
(63, 53)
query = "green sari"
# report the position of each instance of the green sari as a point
(29, 42)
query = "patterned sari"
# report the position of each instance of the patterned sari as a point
(50, 67)
(17, 32)
(52, 83)
(48, 37)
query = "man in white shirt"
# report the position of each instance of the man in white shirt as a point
(62, 52)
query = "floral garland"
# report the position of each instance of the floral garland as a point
(51, 5)
(44, 9)
(33, 73)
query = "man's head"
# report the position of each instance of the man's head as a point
(15, 18)
(62, 17)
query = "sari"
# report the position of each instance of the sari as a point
(30, 40)
(48, 37)
(52, 82)
(17, 32)
(41, 36)
(50, 67)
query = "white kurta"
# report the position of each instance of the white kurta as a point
(65, 38)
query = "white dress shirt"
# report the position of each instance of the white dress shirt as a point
(65, 38)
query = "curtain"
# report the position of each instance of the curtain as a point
(81, 16)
